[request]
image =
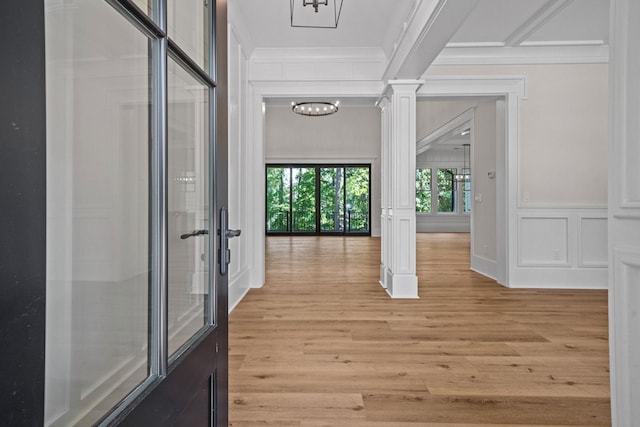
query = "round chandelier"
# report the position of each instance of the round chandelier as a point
(314, 109)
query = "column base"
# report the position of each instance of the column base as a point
(383, 276)
(402, 285)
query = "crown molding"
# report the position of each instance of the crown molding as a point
(318, 54)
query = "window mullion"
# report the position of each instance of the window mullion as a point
(159, 284)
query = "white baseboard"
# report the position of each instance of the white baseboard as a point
(443, 224)
(559, 278)
(238, 288)
(484, 266)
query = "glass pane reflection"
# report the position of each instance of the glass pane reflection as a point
(188, 205)
(188, 26)
(145, 5)
(97, 211)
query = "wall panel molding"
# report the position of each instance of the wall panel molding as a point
(543, 241)
(561, 249)
(592, 232)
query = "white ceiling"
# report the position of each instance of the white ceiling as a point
(363, 23)
(536, 22)
(379, 24)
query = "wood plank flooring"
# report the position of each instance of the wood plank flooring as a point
(321, 344)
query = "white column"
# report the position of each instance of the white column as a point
(398, 240)
(385, 134)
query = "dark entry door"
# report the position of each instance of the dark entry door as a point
(136, 330)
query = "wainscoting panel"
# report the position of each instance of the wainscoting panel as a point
(543, 241)
(592, 232)
(561, 248)
(626, 293)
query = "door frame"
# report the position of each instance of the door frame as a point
(624, 212)
(511, 88)
(23, 213)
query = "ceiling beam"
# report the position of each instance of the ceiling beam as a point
(426, 33)
(537, 20)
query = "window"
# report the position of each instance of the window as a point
(325, 199)
(278, 198)
(423, 190)
(450, 196)
(466, 191)
(447, 200)
(303, 199)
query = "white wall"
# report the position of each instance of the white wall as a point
(563, 131)
(240, 202)
(352, 135)
(484, 188)
(559, 204)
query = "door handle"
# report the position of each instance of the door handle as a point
(224, 253)
(194, 233)
(233, 233)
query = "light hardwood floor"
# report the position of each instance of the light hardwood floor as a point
(321, 344)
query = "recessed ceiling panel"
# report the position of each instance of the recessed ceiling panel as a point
(363, 23)
(493, 21)
(581, 21)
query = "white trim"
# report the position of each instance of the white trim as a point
(539, 54)
(624, 234)
(484, 266)
(322, 160)
(543, 15)
(579, 224)
(425, 143)
(473, 85)
(566, 241)
(624, 334)
(554, 278)
(513, 88)
(402, 286)
(238, 288)
(258, 91)
(455, 45)
(564, 43)
(549, 206)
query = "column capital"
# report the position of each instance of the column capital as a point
(405, 85)
(399, 86)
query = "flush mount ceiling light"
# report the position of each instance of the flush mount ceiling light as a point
(314, 109)
(315, 13)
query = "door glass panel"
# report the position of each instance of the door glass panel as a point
(188, 26)
(98, 265)
(278, 198)
(303, 199)
(188, 205)
(447, 200)
(331, 199)
(357, 202)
